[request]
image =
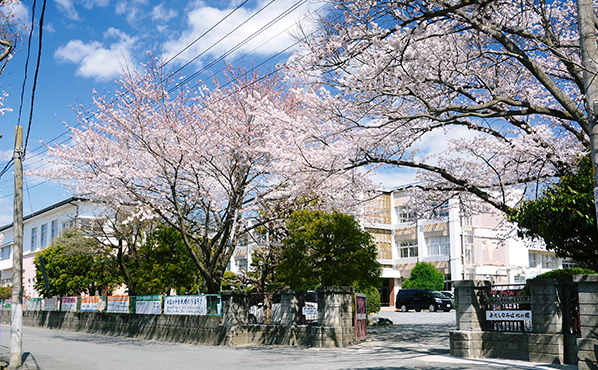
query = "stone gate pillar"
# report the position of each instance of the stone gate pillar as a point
(234, 308)
(587, 344)
(335, 306)
(289, 307)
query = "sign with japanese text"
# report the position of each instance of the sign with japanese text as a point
(149, 304)
(118, 304)
(51, 304)
(89, 304)
(509, 315)
(34, 304)
(185, 305)
(68, 304)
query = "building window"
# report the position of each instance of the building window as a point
(438, 246)
(33, 239)
(404, 215)
(548, 261)
(519, 279)
(53, 230)
(408, 249)
(43, 237)
(441, 210)
(532, 260)
(5, 252)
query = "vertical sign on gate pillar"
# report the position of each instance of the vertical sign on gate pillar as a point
(361, 319)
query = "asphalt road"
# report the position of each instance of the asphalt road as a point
(418, 341)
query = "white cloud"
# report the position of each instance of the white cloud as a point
(21, 12)
(67, 7)
(201, 18)
(97, 60)
(160, 13)
(389, 178)
(132, 9)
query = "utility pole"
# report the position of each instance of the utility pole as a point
(16, 318)
(589, 60)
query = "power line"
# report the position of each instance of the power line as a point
(43, 148)
(240, 44)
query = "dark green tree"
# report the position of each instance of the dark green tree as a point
(564, 217)
(163, 264)
(327, 249)
(424, 276)
(74, 266)
(6, 292)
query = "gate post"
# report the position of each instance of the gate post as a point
(547, 305)
(587, 344)
(335, 315)
(468, 305)
(234, 308)
(289, 307)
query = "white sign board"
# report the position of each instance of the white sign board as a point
(68, 304)
(51, 304)
(150, 304)
(310, 310)
(34, 304)
(89, 304)
(185, 305)
(118, 304)
(509, 315)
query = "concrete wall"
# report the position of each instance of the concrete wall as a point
(334, 311)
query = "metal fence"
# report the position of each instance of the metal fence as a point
(202, 304)
(265, 308)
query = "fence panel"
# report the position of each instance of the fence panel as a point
(264, 308)
(360, 319)
(571, 315)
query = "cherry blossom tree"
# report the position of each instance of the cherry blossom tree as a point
(500, 80)
(204, 160)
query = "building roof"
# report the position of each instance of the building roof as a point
(47, 209)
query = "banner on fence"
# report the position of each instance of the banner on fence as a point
(149, 304)
(118, 304)
(525, 315)
(185, 305)
(34, 304)
(50, 304)
(68, 304)
(6, 305)
(90, 304)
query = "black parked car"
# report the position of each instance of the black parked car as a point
(419, 299)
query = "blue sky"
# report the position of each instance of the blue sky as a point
(86, 43)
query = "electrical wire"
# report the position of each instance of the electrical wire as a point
(43, 148)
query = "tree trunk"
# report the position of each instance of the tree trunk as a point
(589, 53)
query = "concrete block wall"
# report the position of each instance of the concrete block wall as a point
(544, 348)
(587, 344)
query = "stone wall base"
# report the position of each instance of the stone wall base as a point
(205, 330)
(543, 348)
(588, 353)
